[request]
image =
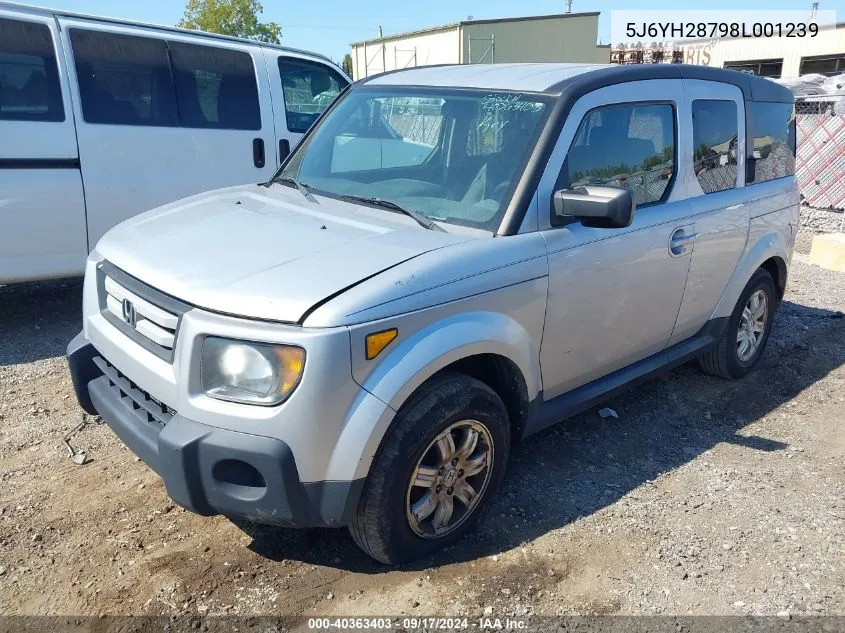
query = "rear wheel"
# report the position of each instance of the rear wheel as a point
(747, 331)
(440, 465)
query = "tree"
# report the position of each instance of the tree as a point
(238, 18)
(347, 64)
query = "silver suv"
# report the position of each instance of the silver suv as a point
(449, 261)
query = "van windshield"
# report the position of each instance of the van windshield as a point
(454, 156)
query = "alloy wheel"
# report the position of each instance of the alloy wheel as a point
(752, 325)
(449, 479)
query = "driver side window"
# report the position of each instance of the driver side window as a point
(628, 145)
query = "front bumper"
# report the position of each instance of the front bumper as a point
(205, 469)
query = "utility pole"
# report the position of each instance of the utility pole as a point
(383, 51)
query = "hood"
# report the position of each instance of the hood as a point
(264, 253)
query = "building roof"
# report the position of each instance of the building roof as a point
(454, 25)
(556, 78)
(14, 6)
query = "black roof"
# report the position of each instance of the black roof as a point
(753, 88)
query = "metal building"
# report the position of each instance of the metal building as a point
(564, 37)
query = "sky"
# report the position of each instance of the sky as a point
(328, 26)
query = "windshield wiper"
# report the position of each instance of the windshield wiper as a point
(304, 189)
(420, 218)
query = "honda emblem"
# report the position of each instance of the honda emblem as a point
(129, 314)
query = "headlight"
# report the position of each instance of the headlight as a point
(250, 373)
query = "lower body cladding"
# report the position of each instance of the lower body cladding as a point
(205, 469)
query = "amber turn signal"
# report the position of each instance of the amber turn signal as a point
(378, 341)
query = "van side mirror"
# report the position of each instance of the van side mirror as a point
(595, 206)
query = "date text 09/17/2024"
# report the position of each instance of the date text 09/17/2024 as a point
(419, 623)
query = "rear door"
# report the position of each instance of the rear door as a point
(42, 207)
(718, 201)
(302, 90)
(162, 116)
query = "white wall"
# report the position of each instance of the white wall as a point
(791, 50)
(423, 49)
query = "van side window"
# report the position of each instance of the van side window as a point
(29, 77)
(124, 80)
(309, 89)
(771, 139)
(216, 87)
(630, 146)
(715, 134)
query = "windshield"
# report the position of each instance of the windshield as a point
(454, 156)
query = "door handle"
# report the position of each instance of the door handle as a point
(284, 150)
(681, 242)
(258, 157)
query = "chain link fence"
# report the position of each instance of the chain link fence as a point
(820, 159)
(417, 120)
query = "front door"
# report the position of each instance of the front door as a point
(614, 294)
(302, 90)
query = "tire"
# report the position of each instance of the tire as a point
(384, 524)
(726, 359)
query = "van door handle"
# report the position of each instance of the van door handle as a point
(258, 152)
(681, 241)
(284, 150)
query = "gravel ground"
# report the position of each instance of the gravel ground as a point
(704, 497)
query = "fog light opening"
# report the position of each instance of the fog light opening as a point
(239, 479)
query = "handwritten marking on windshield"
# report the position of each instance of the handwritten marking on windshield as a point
(509, 103)
(490, 124)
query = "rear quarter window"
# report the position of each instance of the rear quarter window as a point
(771, 140)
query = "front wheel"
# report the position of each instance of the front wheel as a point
(747, 331)
(439, 467)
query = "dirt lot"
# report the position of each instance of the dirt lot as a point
(704, 497)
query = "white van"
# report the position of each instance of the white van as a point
(102, 119)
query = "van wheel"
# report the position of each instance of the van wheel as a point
(745, 336)
(436, 472)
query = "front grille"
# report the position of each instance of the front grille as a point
(147, 316)
(145, 407)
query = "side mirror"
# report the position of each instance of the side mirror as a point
(595, 206)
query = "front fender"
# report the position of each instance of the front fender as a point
(771, 235)
(430, 349)
(429, 341)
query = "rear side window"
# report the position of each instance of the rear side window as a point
(309, 89)
(123, 79)
(216, 87)
(715, 132)
(772, 139)
(29, 78)
(630, 146)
